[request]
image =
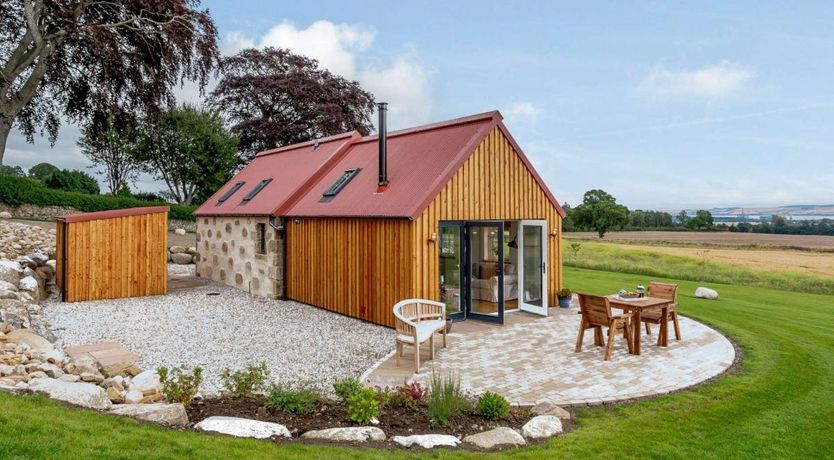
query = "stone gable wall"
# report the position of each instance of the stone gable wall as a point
(227, 247)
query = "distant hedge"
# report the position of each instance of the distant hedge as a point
(16, 191)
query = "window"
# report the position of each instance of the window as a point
(229, 193)
(340, 183)
(256, 190)
(260, 243)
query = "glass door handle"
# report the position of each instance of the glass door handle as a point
(544, 267)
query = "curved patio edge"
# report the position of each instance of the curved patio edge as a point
(533, 360)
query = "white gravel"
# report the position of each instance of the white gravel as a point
(300, 344)
(178, 271)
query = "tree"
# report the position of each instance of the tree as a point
(11, 171)
(274, 98)
(73, 181)
(599, 211)
(42, 171)
(90, 60)
(682, 217)
(112, 151)
(702, 221)
(190, 151)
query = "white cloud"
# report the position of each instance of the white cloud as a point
(344, 50)
(710, 81)
(522, 110)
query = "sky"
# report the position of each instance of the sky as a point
(664, 105)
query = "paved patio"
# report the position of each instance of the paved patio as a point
(532, 358)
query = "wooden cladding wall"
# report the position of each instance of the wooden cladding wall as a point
(113, 258)
(357, 267)
(493, 184)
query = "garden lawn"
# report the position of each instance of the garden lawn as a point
(778, 403)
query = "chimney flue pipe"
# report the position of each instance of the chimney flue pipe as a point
(382, 129)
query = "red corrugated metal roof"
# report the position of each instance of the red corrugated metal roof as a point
(290, 168)
(112, 214)
(420, 162)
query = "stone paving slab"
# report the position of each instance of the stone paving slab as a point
(532, 361)
(106, 353)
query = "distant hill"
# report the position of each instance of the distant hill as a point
(793, 210)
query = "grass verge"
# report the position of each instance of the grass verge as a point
(606, 257)
(778, 404)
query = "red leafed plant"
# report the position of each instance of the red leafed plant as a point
(413, 391)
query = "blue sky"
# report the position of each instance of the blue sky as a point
(665, 105)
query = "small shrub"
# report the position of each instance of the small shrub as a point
(303, 401)
(564, 292)
(407, 396)
(492, 406)
(446, 400)
(363, 406)
(345, 388)
(246, 382)
(178, 385)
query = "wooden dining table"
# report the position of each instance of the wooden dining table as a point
(636, 307)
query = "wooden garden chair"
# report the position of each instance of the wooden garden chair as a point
(417, 321)
(666, 291)
(596, 314)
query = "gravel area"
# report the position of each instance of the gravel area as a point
(300, 344)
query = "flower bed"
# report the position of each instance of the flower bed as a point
(394, 421)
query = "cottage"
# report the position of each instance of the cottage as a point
(452, 211)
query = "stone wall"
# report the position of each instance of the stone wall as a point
(49, 212)
(227, 247)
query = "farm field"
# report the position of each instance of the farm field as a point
(819, 263)
(812, 242)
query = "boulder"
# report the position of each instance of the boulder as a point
(72, 378)
(94, 377)
(545, 407)
(497, 437)
(112, 370)
(10, 271)
(28, 284)
(176, 249)
(38, 257)
(181, 258)
(80, 394)
(7, 286)
(351, 434)
(114, 395)
(34, 341)
(542, 426)
(146, 381)
(50, 370)
(5, 215)
(243, 427)
(164, 414)
(133, 397)
(427, 441)
(179, 231)
(706, 293)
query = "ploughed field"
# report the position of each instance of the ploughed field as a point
(811, 242)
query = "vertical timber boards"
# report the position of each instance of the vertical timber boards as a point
(115, 257)
(492, 184)
(356, 267)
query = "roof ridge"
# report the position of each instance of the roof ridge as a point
(286, 148)
(492, 114)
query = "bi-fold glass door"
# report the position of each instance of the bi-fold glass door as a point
(532, 267)
(472, 270)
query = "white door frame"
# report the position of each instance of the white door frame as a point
(522, 304)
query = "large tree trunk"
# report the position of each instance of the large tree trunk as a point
(5, 129)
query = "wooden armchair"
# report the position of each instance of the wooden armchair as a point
(417, 321)
(596, 314)
(666, 291)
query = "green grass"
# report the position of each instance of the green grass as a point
(605, 257)
(778, 404)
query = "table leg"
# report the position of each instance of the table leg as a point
(663, 340)
(635, 327)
